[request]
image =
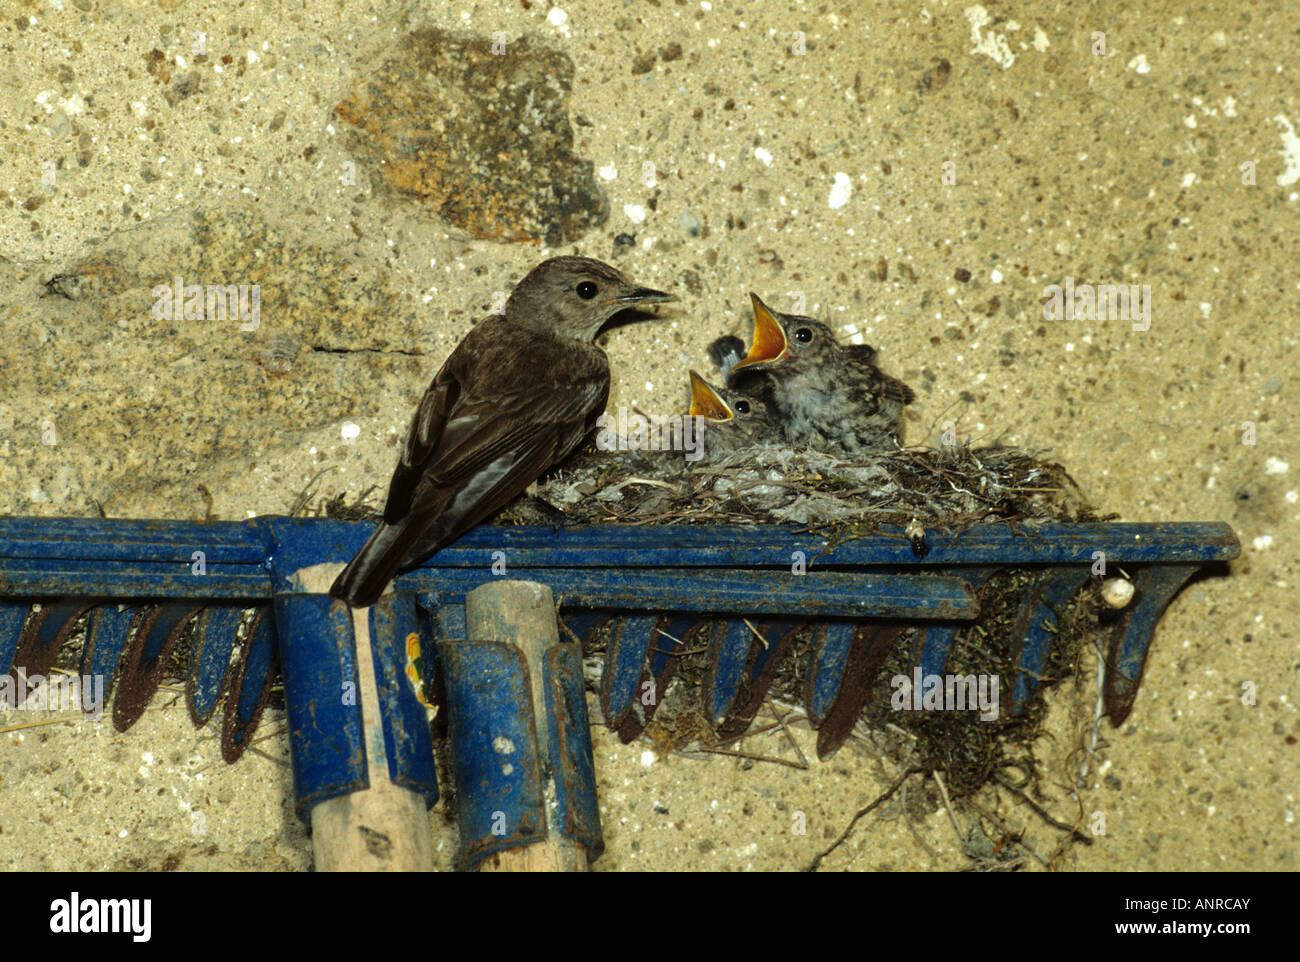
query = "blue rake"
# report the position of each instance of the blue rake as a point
(135, 589)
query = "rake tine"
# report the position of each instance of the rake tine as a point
(251, 688)
(629, 643)
(933, 641)
(932, 646)
(110, 626)
(45, 634)
(210, 668)
(729, 645)
(1156, 586)
(1046, 596)
(827, 662)
(765, 661)
(670, 637)
(160, 627)
(12, 618)
(871, 644)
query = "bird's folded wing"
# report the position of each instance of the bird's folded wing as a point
(896, 390)
(513, 427)
(490, 451)
(481, 431)
(422, 439)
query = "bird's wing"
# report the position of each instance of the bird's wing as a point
(523, 424)
(871, 385)
(862, 353)
(895, 390)
(491, 449)
(495, 376)
(423, 438)
(506, 392)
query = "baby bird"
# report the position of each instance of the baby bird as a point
(828, 396)
(735, 421)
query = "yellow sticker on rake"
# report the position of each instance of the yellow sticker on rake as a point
(415, 669)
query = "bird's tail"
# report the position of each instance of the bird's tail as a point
(367, 575)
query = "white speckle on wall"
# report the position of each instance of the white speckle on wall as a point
(1290, 153)
(991, 44)
(840, 191)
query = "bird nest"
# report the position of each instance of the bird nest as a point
(952, 486)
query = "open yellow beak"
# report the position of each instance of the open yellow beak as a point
(706, 402)
(769, 337)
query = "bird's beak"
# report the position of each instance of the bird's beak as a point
(644, 295)
(706, 402)
(769, 337)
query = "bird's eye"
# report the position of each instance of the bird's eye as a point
(803, 335)
(742, 407)
(587, 290)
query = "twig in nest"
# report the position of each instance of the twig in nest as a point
(789, 735)
(943, 793)
(750, 755)
(567, 630)
(37, 724)
(1097, 711)
(757, 634)
(880, 800)
(303, 496)
(1041, 812)
(1007, 832)
(660, 631)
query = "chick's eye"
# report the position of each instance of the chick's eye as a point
(587, 290)
(742, 407)
(803, 335)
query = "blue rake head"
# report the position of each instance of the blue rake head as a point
(135, 590)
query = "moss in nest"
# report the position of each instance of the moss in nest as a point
(337, 508)
(969, 751)
(949, 487)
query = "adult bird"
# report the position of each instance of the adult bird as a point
(519, 392)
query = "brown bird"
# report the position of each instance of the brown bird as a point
(829, 396)
(518, 393)
(734, 421)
